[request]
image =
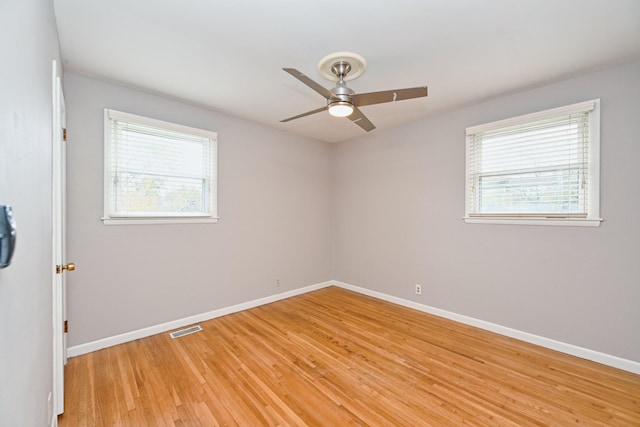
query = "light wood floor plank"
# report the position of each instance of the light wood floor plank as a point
(337, 358)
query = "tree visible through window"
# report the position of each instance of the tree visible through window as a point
(542, 166)
(158, 170)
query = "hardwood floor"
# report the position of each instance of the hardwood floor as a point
(337, 358)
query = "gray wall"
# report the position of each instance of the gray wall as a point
(29, 43)
(274, 206)
(398, 200)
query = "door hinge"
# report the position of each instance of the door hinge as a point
(66, 326)
(64, 134)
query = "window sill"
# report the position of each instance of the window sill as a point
(152, 221)
(569, 222)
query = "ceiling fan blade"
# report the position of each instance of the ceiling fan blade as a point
(361, 120)
(306, 80)
(308, 113)
(371, 98)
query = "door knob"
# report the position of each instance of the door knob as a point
(69, 267)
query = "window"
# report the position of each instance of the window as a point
(541, 168)
(157, 172)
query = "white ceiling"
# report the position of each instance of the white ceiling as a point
(228, 55)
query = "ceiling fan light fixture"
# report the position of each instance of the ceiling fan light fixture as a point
(340, 109)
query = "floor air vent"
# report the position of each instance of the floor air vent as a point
(191, 330)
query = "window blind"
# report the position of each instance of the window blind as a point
(535, 166)
(157, 169)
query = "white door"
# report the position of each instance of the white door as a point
(60, 265)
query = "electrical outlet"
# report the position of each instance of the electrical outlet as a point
(277, 283)
(418, 289)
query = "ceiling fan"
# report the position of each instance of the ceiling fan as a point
(343, 101)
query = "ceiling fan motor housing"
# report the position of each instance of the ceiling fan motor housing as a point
(341, 95)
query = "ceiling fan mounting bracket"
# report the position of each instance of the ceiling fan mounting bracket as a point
(350, 64)
(341, 69)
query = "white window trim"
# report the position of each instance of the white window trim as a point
(593, 220)
(111, 219)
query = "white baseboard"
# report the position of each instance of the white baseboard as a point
(77, 350)
(584, 353)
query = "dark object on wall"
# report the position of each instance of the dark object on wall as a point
(7, 235)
